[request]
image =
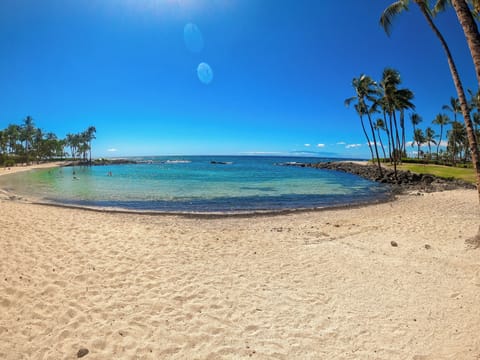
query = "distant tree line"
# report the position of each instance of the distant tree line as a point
(25, 143)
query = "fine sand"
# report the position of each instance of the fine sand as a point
(310, 285)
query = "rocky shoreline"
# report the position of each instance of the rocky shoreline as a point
(406, 181)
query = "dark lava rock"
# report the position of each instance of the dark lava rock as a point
(403, 182)
(82, 352)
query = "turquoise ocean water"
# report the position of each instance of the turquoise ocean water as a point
(195, 184)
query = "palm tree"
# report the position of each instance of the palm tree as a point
(28, 132)
(415, 119)
(429, 139)
(3, 145)
(404, 102)
(365, 89)
(454, 107)
(90, 136)
(38, 143)
(476, 121)
(456, 141)
(388, 84)
(419, 139)
(393, 100)
(380, 125)
(13, 136)
(442, 120)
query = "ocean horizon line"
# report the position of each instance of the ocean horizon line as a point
(342, 158)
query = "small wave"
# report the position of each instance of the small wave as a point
(177, 161)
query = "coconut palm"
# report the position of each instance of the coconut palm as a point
(3, 145)
(27, 134)
(476, 121)
(380, 125)
(456, 141)
(366, 92)
(392, 100)
(404, 102)
(430, 139)
(13, 136)
(415, 119)
(453, 107)
(90, 133)
(419, 139)
(441, 120)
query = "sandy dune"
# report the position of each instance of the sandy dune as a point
(314, 285)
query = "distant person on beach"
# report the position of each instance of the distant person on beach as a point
(110, 173)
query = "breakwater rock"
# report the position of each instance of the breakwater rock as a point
(404, 181)
(101, 162)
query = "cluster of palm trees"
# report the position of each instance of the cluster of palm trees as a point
(25, 143)
(457, 144)
(388, 100)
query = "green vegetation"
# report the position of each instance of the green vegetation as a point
(26, 143)
(466, 174)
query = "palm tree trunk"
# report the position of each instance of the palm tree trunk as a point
(375, 143)
(402, 126)
(366, 136)
(440, 140)
(396, 149)
(392, 155)
(471, 32)
(473, 38)
(388, 135)
(381, 144)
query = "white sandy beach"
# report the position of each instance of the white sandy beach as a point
(310, 285)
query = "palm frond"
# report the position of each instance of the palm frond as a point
(390, 13)
(440, 6)
(349, 101)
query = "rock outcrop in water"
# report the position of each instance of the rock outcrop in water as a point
(405, 180)
(101, 162)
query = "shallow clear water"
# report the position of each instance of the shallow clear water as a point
(194, 184)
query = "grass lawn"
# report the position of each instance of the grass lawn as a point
(441, 171)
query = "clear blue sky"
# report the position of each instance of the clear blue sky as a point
(281, 71)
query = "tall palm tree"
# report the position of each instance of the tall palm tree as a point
(38, 143)
(404, 102)
(3, 144)
(453, 107)
(380, 125)
(429, 139)
(393, 100)
(13, 136)
(366, 91)
(441, 120)
(476, 121)
(419, 139)
(90, 136)
(456, 141)
(473, 39)
(28, 132)
(415, 119)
